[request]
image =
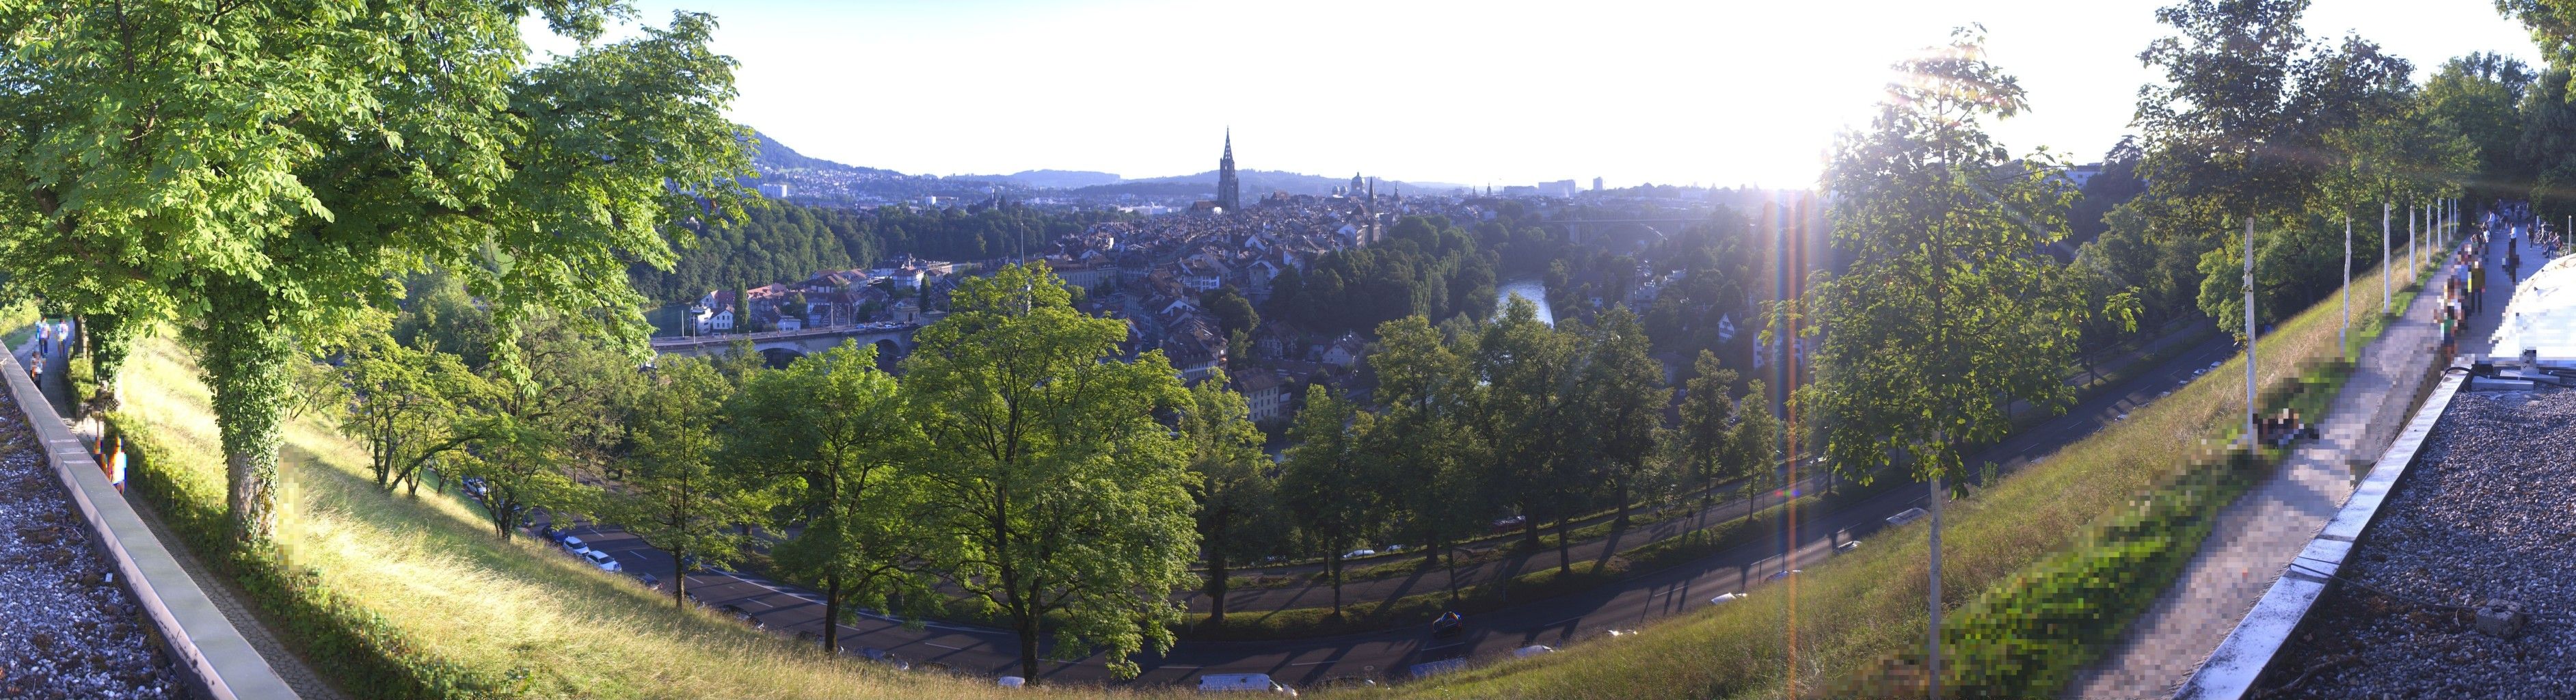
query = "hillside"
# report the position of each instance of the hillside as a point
(453, 606)
(771, 155)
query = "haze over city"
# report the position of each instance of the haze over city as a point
(1714, 93)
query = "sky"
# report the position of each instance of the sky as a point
(1733, 92)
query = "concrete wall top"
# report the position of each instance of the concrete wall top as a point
(202, 642)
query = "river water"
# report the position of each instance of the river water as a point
(1530, 288)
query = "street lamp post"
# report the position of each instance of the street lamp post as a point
(2383, 258)
(2343, 336)
(2251, 410)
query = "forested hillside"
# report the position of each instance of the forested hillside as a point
(777, 242)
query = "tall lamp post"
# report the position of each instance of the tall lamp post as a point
(2251, 411)
(2343, 336)
(2383, 258)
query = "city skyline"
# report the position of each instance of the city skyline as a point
(1426, 91)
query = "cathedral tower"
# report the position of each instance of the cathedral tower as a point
(1229, 193)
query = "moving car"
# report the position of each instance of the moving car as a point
(1725, 598)
(1449, 624)
(1509, 524)
(1532, 650)
(1909, 515)
(1242, 683)
(1357, 553)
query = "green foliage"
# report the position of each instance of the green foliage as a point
(1234, 313)
(1426, 266)
(526, 438)
(1622, 397)
(1235, 487)
(778, 242)
(1948, 313)
(401, 404)
(1325, 484)
(829, 432)
(294, 158)
(1054, 490)
(676, 497)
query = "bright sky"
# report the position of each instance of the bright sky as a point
(1722, 93)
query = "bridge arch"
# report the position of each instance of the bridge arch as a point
(888, 354)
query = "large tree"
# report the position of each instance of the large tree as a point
(676, 494)
(1621, 395)
(1947, 314)
(1421, 444)
(1059, 500)
(830, 431)
(1523, 417)
(1235, 485)
(264, 166)
(1327, 484)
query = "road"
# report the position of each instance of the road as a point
(1383, 655)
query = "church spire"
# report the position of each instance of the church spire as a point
(1229, 192)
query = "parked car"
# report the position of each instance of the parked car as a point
(1357, 553)
(1448, 625)
(1242, 683)
(1343, 682)
(1011, 681)
(1847, 547)
(1725, 598)
(551, 534)
(475, 487)
(603, 561)
(574, 545)
(649, 580)
(884, 657)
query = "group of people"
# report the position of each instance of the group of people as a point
(2462, 290)
(2280, 429)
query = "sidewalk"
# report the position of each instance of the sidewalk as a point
(2260, 533)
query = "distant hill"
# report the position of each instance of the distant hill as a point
(773, 156)
(1051, 179)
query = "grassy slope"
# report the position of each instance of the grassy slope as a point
(434, 570)
(1856, 610)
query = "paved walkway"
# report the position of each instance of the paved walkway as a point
(2262, 531)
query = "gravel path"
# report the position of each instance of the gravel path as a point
(2484, 513)
(2264, 529)
(66, 629)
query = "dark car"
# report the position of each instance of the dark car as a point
(1448, 625)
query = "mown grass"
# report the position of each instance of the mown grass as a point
(441, 596)
(1854, 618)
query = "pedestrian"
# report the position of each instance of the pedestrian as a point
(2477, 283)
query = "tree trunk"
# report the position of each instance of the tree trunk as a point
(1027, 625)
(246, 365)
(1450, 556)
(1619, 490)
(111, 340)
(832, 614)
(1216, 588)
(1563, 564)
(1336, 566)
(1935, 547)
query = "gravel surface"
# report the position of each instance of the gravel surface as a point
(66, 629)
(2485, 513)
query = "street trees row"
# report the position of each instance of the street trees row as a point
(1012, 470)
(1508, 418)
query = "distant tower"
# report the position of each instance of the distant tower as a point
(1355, 182)
(1229, 193)
(1596, 184)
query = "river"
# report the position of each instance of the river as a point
(1530, 288)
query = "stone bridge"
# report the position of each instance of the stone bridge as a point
(893, 341)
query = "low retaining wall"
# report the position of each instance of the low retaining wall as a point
(212, 654)
(2239, 661)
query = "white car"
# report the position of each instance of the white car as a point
(1909, 515)
(602, 560)
(1532, 650)
(575, 545)
(1357, 553)
(1726, 598)
(1242, 683)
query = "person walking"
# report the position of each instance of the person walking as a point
(2477, 283)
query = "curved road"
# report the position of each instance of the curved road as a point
(1386, 654)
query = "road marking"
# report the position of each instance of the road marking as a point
(944, 646)
(1560, 622)
(1306, 663)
